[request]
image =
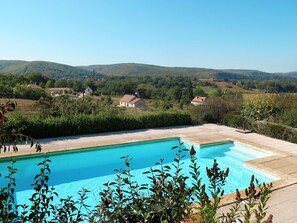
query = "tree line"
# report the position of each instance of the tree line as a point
(174, 89)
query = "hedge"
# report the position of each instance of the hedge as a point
(99, 123)
(236, 121)
(277, 131)
(164, 119)
(273, 130)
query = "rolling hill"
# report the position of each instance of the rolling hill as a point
(49, 69)
(134, 69)
(289, 74)
(57, 70)
(250, 73)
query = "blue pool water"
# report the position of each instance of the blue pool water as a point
(90, 168)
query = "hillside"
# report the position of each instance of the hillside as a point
(57, 70)
(50, 69)
(289, 74)
(249, 73)
(261, 74)
(133, 69)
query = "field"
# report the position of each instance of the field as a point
(211, 91)
(247, 97)
(230, 87)
(115, 99)
(222, 85)
(23, 106)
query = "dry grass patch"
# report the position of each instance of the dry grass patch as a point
(24, 106)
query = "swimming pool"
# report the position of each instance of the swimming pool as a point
(91, 167)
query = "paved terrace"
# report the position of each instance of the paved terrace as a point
(283, 162)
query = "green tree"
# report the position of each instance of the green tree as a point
(187, 95)
(37, 78)
(175, 93)
(26, 92)
(61, 83)
(77, 85)
(199, 92)
(5, 91)
(50, 83)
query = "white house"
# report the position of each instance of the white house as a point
(88, 91)
(198, 100)
(131, 101)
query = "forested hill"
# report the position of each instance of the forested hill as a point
(50, 69)
(249, 73)
(289, 74)
(57, 70)
(134, 69)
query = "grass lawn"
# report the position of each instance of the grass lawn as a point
(211, 91)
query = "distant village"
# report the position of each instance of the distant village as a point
(128, 100)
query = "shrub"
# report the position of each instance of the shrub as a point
(288, 117)
(164, 119)
(214, 110)
(236, 121)
(209, 113)
(261, 108)
(65, 106)
(275, 130)
(79, 124)
(293, 137)
(27, 92)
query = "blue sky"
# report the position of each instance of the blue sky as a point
(247, 34)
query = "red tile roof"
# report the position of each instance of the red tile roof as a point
(128, 98)
(199, 99)
(135, 100)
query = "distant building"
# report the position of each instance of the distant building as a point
(60, 91)
(198, 100)
(88, 91)
(131, 101)
(34, 86)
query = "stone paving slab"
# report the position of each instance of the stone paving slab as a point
(282, 205)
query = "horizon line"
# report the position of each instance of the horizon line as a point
(141, 63)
